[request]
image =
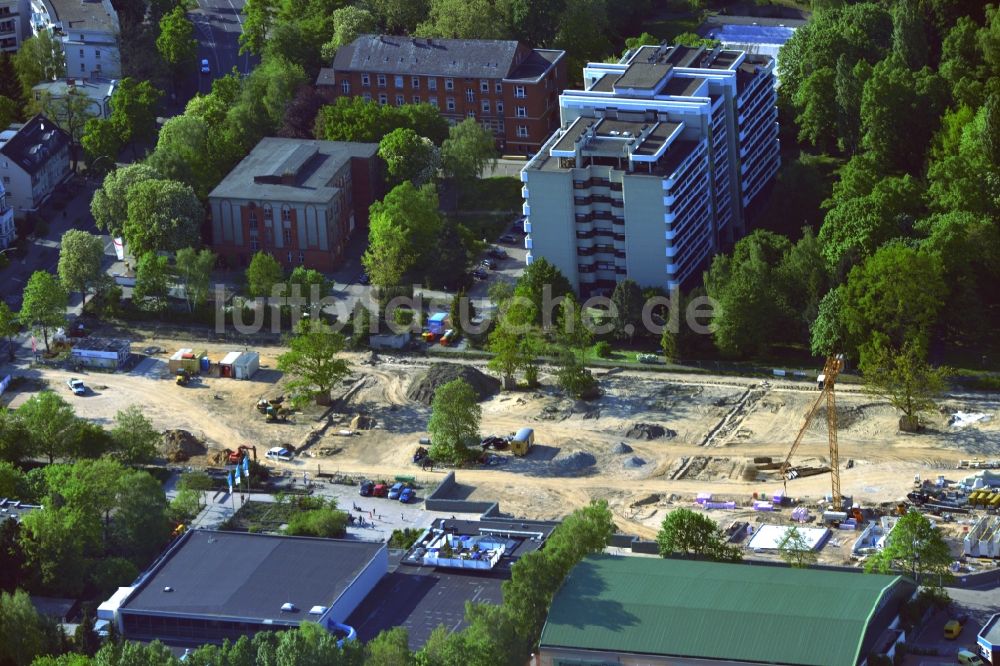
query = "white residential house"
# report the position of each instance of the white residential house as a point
(15, 25)
(34, 160)
(99, 91)
(6, 221)
(88, 31)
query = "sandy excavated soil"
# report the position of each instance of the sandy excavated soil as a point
(712, 429)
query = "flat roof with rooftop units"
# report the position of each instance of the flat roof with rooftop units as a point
(213, 585)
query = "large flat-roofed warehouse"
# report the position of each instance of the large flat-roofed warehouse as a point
(215, 585)
(635, 610)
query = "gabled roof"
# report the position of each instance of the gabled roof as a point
(468, 58)
(708, 610)
(34, 143)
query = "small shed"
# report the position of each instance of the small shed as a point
(522, 442)
(106, 353)
(246, 365)
(186, 359)
(438, 323)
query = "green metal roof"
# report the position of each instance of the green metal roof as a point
(715, 611)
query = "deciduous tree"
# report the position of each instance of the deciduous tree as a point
(51, 424)
(70, 111)
(194, 272)
(468, 150)
(133, 111)
(9, 327)
(43, 305)
(312, 361)
(40, 58)
(134, 437)
(80, 257)
(461, 19)
(152, 274)
(109, 205)
(454, 422)
(795, 550)
(258, 19)
(628, 302)
(408, 156)
(263, 273)
(101, 145)
(692, 534)
(904, 377)
(176, 43)
(162, 215)
(914, 546)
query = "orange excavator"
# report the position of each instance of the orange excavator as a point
(233, 457)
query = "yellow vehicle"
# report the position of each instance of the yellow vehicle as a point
(952, 628)
(969, 658)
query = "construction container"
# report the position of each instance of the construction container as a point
(522, 442)
(186, 359)
(246, 365)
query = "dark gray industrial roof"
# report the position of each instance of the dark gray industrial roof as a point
(656, 138)
(470, 58)
(311, 165)
(535, 65)
(34, 143)
(238, 575)
(642, 75)
(681, 86)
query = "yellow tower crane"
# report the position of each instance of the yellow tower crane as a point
(827, 380)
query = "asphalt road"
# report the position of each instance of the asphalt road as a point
(218, 24)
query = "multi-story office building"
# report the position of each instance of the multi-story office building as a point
(507, 86)
(655, 162)
(296, 199)
(88, 32)
(15, 24)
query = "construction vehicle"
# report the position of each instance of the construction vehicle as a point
(234, 457)
(826, 382)
(264, 403)
(183, 377)
(276, 414)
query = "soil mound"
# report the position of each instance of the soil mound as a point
(621, 448)
(577, 461)
(180, 445)
(423, 387)
(633, 462)
(649, 431)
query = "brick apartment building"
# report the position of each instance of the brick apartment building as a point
(299, 200)
(510, 88)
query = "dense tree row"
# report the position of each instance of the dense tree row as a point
(905, 94)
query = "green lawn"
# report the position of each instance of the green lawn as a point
(668, 28)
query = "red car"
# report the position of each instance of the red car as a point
(380, 490)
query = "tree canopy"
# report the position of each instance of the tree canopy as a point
(312, 361)
(454, 422)
(692, 534)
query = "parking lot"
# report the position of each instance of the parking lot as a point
(977, 604)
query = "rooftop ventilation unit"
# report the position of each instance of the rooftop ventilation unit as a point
(288, 607)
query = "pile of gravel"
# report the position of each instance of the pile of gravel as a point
(633, 462)
(577, 461)
(621, 448)
(423, 387)
(649, 431)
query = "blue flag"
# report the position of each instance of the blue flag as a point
(229, 479)
(246, 467)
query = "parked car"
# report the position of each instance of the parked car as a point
(968, 658)
(380, 490)
(205, 69)
(279, 453)
(406, 495)
(952, 629)
(395, 490)
(488, 264)
(76, 386)
(480, 274)
(498, 252)
(510, 239)
(365, 490)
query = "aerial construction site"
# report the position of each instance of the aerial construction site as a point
(652, 441)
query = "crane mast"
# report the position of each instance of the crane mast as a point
(831, 370)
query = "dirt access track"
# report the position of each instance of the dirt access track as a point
(684, 434)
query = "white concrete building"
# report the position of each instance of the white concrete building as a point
(15, 24)
(88, 31)
(656, 161)
(34, 159)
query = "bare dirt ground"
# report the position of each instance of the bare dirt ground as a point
(712, 428)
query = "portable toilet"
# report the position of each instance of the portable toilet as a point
(522, 442)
